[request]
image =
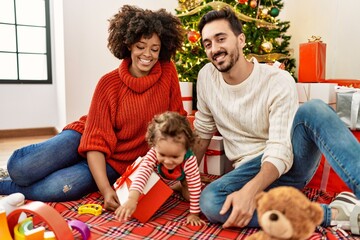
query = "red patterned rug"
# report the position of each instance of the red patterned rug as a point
(169, 222)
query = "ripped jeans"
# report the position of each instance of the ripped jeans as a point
(51, 170)
(316, 129)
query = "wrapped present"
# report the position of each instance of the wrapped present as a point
(214, 161)
(347, 107)
(191, 119)
(323, 91)
(186, 89)
(312, 61)
(155, 193)
(326, 179)
(351, 83)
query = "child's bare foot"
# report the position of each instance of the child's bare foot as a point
(178, 187)
(206, 179)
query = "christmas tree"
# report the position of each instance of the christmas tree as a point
(266, 38)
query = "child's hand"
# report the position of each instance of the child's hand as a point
(124, 212)
(194, 220)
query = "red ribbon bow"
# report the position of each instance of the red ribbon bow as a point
(210, 152)
(125, 177)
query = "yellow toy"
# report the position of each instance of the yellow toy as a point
(94, 209)
(286, 213)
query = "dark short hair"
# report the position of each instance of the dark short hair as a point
(225, 13)
(131, 23)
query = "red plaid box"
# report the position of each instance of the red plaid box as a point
(312, 62)
(155, 193)
(215, 162)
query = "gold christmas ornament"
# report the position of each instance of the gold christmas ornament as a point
(219, 5)
(271, 57)
(264, 12)
(187, 5)
(267, 46)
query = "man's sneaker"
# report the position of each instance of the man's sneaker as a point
(348, 207)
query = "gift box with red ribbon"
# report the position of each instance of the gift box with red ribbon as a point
(215, 162)
(312, 61)
(186, 89)
(155, 193)
(351, 83)
(323, 91)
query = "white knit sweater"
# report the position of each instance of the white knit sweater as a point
(254, 117)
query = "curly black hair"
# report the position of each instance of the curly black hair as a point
(131, 23)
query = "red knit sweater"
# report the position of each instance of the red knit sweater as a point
(121, 108)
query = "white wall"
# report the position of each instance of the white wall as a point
(336, 22)
(81, 56)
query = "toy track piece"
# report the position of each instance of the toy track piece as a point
(81, 227)
(48, 214)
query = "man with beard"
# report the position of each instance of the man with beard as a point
(270, 140)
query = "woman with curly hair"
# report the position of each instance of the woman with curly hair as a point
(90, 154)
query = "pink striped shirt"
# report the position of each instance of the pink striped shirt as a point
(192, 176)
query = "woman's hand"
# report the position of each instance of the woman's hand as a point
(97, 164)
(194, 220)
(111, 201)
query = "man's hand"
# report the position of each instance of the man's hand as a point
(243, 201)
(243, 207)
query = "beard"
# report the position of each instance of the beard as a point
(227, 65)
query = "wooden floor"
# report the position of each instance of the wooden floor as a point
(8, 145)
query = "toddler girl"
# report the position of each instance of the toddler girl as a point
(170, 137)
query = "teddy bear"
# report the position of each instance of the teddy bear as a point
(286, 213)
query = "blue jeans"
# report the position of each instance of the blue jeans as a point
(316, 129)
(51, 170)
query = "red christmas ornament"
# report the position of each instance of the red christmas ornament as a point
(253, 3)
(193, 36)
(242, 1)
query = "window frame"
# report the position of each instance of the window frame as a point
(49, 79)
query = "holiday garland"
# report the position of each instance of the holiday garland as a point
(265, 34)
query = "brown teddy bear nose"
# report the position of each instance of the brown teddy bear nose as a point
(274, 217)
